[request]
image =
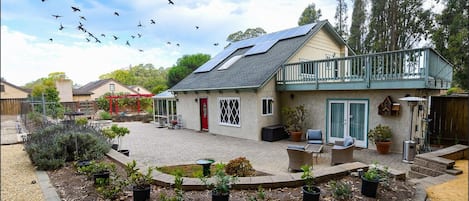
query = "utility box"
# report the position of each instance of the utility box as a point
(274, 133)
(408, 151)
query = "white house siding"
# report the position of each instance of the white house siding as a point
(316, 103)
(189, 110)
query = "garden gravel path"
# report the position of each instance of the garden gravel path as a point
(18, 175)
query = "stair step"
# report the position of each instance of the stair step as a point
(453, 171)
(416, 175)
(426, 171)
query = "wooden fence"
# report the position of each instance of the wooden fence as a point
(11, 106)
(87, 107)
(449, 115)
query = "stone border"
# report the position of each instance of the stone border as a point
(273, 181)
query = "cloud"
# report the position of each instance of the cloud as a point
(25, 59)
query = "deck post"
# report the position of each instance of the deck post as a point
(368, 71)
(426, 65)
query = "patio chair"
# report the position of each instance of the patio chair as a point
(297, 157)
(342, 151)
(314, 136)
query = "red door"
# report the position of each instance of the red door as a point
(203, 113)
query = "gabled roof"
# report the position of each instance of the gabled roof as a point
(251, 71)
(16, 87)
(88, 88)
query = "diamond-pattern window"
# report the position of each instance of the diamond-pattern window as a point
(229, 111)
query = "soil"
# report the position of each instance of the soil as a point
(72, 186)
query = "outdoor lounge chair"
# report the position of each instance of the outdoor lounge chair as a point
(342, 151)
(314, 136)
(297, 157)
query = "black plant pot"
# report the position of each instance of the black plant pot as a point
(369, 187)
(311, 196)
(125, 152)
(141, 194)
(115, 146)
(220, 197)
(101, 175)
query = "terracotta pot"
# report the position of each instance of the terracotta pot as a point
(383, 147)
(296, 136)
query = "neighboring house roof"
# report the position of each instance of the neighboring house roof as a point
(87, 89)
(164, 95)
(251, 71)
(17, 87)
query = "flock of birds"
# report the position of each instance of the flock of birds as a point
(90, 37)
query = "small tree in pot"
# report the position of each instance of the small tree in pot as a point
(381, 135)
(141, 183)
(371, 179)
(221, 185)
(310, 192)
(294, 121)
(120, 132)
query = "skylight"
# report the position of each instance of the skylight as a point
(230, 62)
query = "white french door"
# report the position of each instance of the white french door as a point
(348, 118)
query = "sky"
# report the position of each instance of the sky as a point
(32, 46)
(27, 26)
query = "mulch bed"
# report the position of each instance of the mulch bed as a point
(72, 186)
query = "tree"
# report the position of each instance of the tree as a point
(249, 33)
(341, 18)
(184, 66)
(451, 39)
(47, 87)
(357, 29)
(309, 15)
(397, 24)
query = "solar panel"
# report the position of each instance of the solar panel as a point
(260, 45)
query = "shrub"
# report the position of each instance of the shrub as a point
(81, 121)
(105, 115)
(340, 190)
(51, 146)
(240, 167)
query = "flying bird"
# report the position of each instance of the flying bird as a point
(132, 36)
(152, 21)
(215, 44)
(75, 9)
(196, 27)
(177, 44)
(139, 24)
(116, 13)
(127, 43)
(140, 50)
(103, 35)
(50, 39)
(97, 40)
(169, 43)
(170, 2)
(83, 18)
(139, 35)
(43, 0)
(87, 40)
(115, 37)
(56, 16)
(61, 27)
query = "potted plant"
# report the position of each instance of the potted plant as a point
(120, 132)
(310, 192)
(294, 120)
(98, 171)
(371, 179)
(110, 135)
(141, 183)
(381, 135)
(221, 185)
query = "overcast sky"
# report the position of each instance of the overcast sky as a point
(28, 25)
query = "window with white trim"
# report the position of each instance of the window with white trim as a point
(267, 106)
(229, 110)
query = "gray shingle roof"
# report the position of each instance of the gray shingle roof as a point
(250, 71)
(88, 88)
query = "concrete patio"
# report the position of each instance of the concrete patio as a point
(154, 146)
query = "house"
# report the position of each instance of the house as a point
(96, 89)
(11, 91)
(139, 89)
(244, 87)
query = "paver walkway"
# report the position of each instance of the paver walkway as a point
(161, 146)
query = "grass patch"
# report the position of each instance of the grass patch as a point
(192, 170)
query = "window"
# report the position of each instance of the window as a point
(2, 88)
(230, 62)
(229, 109)
(267, 106)
(112, 87)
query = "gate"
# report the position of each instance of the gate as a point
(11, 106)
(449, 116)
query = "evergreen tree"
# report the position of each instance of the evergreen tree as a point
(397, 24)
(341, 18)
(357, 29)
(451, 39)
(309, 15)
